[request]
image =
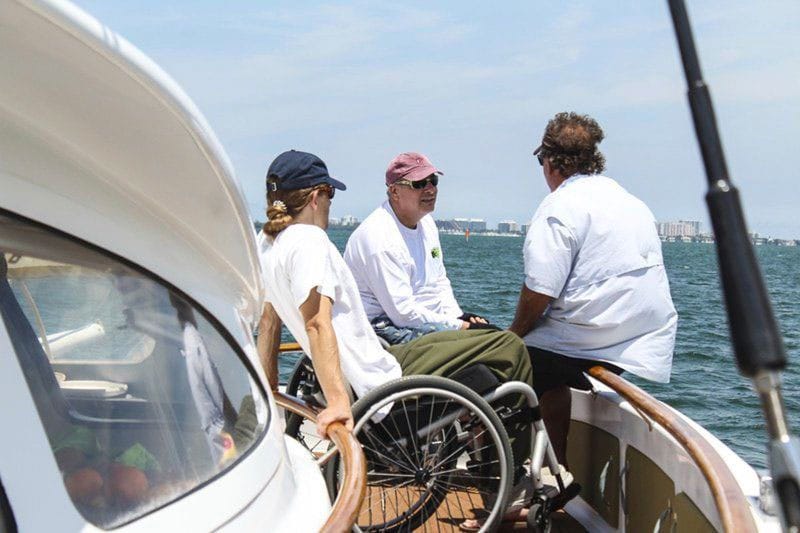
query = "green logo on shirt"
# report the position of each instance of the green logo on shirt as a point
(436, 253)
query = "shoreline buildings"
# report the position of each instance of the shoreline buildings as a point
(477, 226)
(681, 228)
(689, 231)
(347, 221)
(508, 226)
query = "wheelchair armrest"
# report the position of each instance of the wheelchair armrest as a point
(477, 377)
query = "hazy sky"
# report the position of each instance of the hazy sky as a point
(472, 84)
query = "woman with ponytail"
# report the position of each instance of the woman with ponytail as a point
(302, 279)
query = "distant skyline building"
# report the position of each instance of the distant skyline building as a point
(681, 228)
(349, 220)
(508, 226)
(460, 225)
(471, 224)
(447, 225)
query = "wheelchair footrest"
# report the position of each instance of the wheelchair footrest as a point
(524, 415)
(547, 501)
(554, 500)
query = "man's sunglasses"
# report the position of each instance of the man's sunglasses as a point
(420, 184)
(539, 155)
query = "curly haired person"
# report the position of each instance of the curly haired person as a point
(595, 289)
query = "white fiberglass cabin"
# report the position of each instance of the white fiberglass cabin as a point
(131, 393)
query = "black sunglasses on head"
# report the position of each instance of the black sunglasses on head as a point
(420, 184)
(330, 190)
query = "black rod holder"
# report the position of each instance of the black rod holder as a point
(757, 342)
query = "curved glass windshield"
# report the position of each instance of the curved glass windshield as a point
(141, 397)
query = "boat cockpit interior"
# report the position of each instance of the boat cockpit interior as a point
(142, 398)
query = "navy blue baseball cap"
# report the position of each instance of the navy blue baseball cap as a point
(299, 170)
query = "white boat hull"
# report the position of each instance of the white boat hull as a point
(635, 476)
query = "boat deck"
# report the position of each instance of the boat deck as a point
(455, 509)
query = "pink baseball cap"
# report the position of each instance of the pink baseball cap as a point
(411, 166)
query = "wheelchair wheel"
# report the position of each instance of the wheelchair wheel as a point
(303, 384)
(438, 457)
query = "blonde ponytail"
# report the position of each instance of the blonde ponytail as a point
(278, 218)
(283, 206)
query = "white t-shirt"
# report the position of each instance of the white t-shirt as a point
(302, 258)
(593, 247)
(400, 271)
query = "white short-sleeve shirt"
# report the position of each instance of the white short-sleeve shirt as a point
(400, 271)
(302, 258)
(593, 247)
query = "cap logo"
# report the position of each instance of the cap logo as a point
(273, 186)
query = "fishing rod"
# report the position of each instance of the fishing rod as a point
(757, 342)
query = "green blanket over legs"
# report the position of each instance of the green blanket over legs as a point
(445, 353)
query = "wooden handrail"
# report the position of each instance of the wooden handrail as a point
(354, 467)
(732, 504)
(354, 483)
(295, 405)
(290, 347)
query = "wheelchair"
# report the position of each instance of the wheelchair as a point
(437, 452)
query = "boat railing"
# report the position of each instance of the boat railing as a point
(732, 504)
(290, 347)
(353, 463)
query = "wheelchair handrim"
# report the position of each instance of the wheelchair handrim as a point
(465, 402)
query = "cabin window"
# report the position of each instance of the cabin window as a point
(142, 399)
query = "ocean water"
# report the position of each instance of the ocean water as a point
(486, 273)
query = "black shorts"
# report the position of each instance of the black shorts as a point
(551, 370)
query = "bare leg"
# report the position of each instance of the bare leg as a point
(556, 408)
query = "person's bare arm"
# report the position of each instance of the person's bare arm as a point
(268, 343)
(317, 312)
(530, 308)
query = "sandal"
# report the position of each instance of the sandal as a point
(475, 524)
